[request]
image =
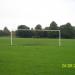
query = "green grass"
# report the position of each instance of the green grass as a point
(36, 57)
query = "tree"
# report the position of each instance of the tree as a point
(1, 33)
(38, 27)
(46, 28)
(23, 27)
(23, 33)
(38, 33)
(74, 31)
(53, 26)
(6, 31)
(67, 31)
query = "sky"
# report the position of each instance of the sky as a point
(32, 12)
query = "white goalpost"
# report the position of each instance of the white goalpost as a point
(11, 39)
(59, 37)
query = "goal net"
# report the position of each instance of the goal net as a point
(36, 37)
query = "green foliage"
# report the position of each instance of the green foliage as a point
(53, 26)
(1, 33)
(46, 28)
(5, 32)
(67, 31)
(24, 33)
(23, 27)
(38, 27)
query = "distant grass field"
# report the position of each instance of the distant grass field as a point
(36, 56)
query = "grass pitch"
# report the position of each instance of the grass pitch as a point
(37, 57)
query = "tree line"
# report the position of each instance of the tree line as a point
(23, 31)
(4, 32)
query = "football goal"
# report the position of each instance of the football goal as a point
(34, 37)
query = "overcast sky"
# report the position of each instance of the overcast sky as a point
(33, 12)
